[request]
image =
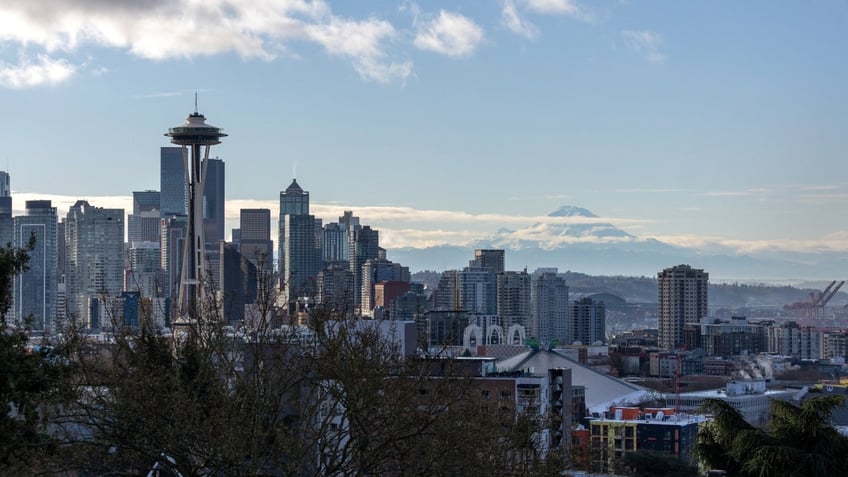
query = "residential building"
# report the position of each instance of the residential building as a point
(493, 259)
(682, 297)
(94, 259)
(587, 321)
(478, 289)
(550, 309)
(513, 291)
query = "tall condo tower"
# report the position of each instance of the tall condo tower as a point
(682, 293)
(196, 138)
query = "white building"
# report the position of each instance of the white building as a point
(94, 261)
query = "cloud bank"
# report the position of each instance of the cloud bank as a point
(407, 227)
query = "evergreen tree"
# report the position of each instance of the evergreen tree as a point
(798, 441)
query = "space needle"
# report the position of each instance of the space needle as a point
(195, 137)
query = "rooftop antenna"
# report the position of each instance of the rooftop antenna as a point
(195, 102)
(294, 170)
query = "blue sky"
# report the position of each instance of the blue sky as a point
(715, 124)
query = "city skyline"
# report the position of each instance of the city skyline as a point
(439, 123)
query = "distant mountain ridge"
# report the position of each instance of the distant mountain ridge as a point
(599, 248)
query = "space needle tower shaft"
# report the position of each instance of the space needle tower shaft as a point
(195, 137)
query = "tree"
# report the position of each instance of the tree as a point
(798, 440)
(335, 400)
(30, 379)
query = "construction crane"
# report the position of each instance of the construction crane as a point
(813, 307)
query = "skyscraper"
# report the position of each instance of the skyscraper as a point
(493, 259)
(587, 321)
(478, 290)
(5, 185)
(143, 223)
(364, 246)
(238, 283)
(36, 288)
(550, 308)
(375, 271)
(682, 297)
(213, 202)
(299, 259)
(146, 200)
(144, 274)
(94, 262)
(513, 291)
(172, 246)
(173, 195)
(255, 237)
(7, 228)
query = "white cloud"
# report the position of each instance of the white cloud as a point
(43, 71)
(557, 7)
(361, 42)
(420, 228)
(645, 44)
(450, 34)
(517, 24)
(163, 29)
(837, 242)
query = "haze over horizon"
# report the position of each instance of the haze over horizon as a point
(439, 123)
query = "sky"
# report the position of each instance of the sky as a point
(719, 125)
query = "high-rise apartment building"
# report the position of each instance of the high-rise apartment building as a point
(173, 191)
(550, 308)
(254, 238)
(36, 288)
(682, 297)
(447, 291)
(299, 259)
(493, 259)
(213, 202)
(94, 262)
(478, 290)
(587, 321)
(513, 299)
